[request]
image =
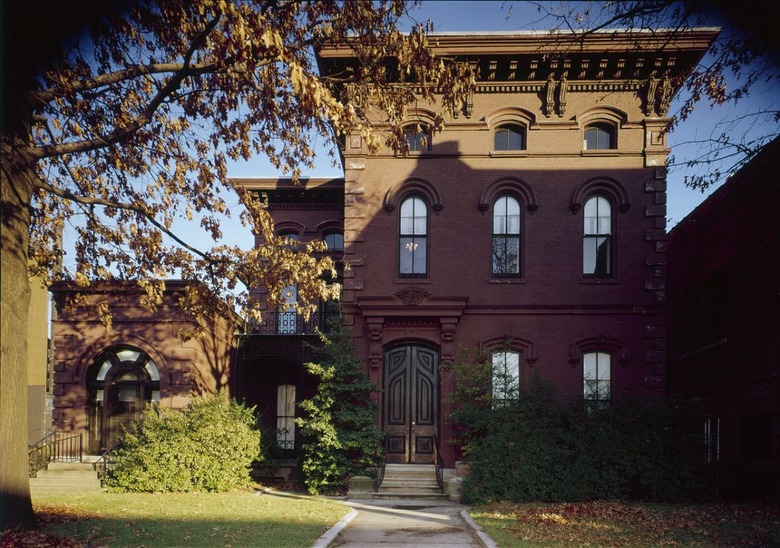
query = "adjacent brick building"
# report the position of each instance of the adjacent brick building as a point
(103, 378)
(724, 323)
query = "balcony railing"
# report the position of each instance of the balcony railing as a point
(290, 323)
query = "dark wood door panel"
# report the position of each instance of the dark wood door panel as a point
(411, 402)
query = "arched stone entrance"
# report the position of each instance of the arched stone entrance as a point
(121, 381)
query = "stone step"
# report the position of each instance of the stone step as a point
(65, 478)
(409, 480)
(409, 496)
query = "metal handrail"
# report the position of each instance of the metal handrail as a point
(380, 473)
(106, 463)
(55, 447)
(439, 462)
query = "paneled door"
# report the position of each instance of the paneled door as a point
(410, 403)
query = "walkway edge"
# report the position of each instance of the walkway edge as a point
(483, 536)
(325, 540)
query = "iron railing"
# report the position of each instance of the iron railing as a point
(380, 472)
(106, 463)
(439, 462)
(56, 447)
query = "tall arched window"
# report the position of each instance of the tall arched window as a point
(413, 238)
(597, 238)
(597, 379)
(600, 136)
(509, 137)
(506, 236)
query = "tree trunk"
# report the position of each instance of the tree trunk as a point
(17, 178)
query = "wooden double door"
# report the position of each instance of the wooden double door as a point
(411, 401)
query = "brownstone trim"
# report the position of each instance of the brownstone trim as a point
(411, 186)
(603, 185)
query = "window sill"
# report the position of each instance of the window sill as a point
(601, 152)
(599, 281)
(509, 153)
(412, 280)
(416, 154)
(501, 281)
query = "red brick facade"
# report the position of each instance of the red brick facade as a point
(103, 378)
(551, 312)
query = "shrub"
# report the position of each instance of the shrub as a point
(208, 446)
(540, 448)
(340, 437)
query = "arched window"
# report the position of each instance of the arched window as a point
(596, 380)
(506, 236)
(418, 137)
(121, 381)
(509, 137)
(597, 238)
(413, 238)
(600, 136)
(506, 377)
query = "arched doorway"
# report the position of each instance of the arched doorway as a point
(122, 380)
(411, 402)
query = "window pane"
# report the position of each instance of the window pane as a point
(596, 243)
(596, 373)
(334, 241)
(590, 366)
(506, 375)
(413, 243)
(417, 139)
(420, 225)
(508, 138)
(506, 255)
(597, 216)
(128, 355)
(413, 253)
(285, 400)
(599, 137)
(596, 260)
(414, 217)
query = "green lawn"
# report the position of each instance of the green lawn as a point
(630, 525)
(205, 519)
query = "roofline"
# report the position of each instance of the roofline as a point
(274, 183)
(536, 41)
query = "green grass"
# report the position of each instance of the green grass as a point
(205, 519)
(629, 524)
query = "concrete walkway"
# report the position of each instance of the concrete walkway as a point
(392, 523)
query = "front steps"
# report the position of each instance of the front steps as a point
(410, 481)
(66, 478)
